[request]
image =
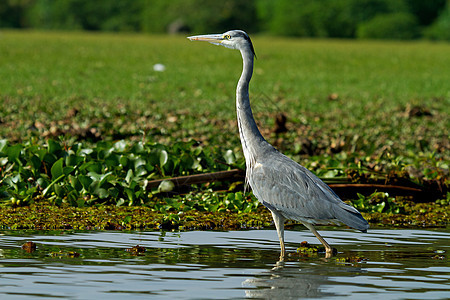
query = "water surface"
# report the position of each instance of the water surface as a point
(395, 264)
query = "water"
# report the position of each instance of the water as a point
(396, 264)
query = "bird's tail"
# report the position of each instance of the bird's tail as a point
(352, 217)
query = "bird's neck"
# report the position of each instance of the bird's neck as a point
(251, 139)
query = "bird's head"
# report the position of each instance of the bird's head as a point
(234, 39)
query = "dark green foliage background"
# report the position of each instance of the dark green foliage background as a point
(400, 19)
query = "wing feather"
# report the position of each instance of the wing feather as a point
(298, 194)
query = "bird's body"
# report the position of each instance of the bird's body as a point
(286, 188)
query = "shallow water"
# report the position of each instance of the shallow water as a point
(397, 264)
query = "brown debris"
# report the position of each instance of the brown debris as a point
(29, 247)
(417, 111)
(136, 250)
(280, 123)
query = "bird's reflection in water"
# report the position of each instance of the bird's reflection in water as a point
(292, 282)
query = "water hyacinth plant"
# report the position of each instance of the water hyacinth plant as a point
(106, 173)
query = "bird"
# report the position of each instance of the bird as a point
(286, 188)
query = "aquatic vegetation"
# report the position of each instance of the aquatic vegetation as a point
(376, 202)
(350, 260)
(42, 215)
(119, 173)
(64, 254)
(305, 249)
(106, 173)
(79, 186)
(136, 250)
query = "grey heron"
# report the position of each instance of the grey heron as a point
(287, 189)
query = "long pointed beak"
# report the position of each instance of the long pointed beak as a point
(212, 38)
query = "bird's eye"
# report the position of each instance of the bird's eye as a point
(227, 37)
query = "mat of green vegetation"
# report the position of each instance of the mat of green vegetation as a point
(86, 120)
(44, 216)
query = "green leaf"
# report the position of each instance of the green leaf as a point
(44, 192)
(102, 193)
(229, 157)
(59, 190)
(74, 160)
(53, 147)
(114, 192)
(380, 206)
(101, 178)
(141, 171)
(123, 160)
(68, 170)
(85, 181)
(112, 161)
(35, 162)
(138, 148)
(129, 176)
(95, 167)
(166, 186)
(239, 196)
(41, 153)
(57, 169)
(163, 158)
(186, 162)
(153, 158)
(3, 145)
(13, 152)
(214, 208)
(331, 174)
(75, 183)
(139, 162)
(130, 194)
(49, 158)
(42, 182)
(120, 146)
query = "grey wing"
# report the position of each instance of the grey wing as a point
(287, 187)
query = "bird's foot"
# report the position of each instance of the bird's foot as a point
(329, 252)
(332, 251)
(278, 265)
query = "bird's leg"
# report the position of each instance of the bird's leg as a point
(279, 225)
(328, 249)
(283, 249)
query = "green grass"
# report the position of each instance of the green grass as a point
(109, 77)
(82, 88)
(58, 67)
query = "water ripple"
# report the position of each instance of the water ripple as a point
(396, 264)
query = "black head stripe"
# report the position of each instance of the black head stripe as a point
(246, 37)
